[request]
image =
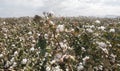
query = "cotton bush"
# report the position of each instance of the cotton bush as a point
(59, 44)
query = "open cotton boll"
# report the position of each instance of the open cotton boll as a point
(101, 28)
(101, 44)
(80, 67)
(46, 36)
(60, 28)
(105, 50)
(51, 22)
(30, 33)
(89, 30)
(14, 64)
(92, 26)
(112, 30)
(15, 53)
(97, 21)
(24, 61)
(1, 55)
(32, 49)
(86, 58)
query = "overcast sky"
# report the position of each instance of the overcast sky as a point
(17, 8)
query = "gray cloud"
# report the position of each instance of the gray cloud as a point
(9, 8)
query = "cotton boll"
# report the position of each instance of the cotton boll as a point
(86, 58)
(1, 55)
(13, 45)
(92, 26)
(113, 57)
(24, 61)
(63, 45)
(53, 61)
(15, 53)
(97, 21)
(4, 22)
(80, 67)
(57, 68)
(101, 28)
(30, 33)
(32, 49)
(100, 67)
(60, 28)
(83, 49)
(105, 50)
(33, 41)
(48, 68)
(89, 30)
(46, 36)
(14, 64)
(101, 44)
(12, 59)
(38, 34)
(51, 22)
(112, 30)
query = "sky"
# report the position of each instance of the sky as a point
(19, 8)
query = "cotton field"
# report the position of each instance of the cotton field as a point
(50, 43)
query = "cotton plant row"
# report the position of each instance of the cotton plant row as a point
(59, 44)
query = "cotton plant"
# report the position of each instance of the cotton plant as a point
(59, 44)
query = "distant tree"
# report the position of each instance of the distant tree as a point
(37, 18)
